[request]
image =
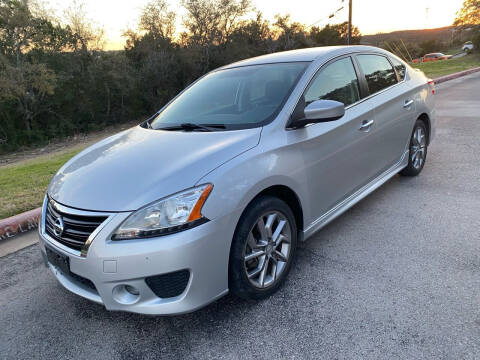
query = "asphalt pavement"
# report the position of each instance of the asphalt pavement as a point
(395, 277)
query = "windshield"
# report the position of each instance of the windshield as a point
(240, 97)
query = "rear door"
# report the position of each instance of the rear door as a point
(392, 101)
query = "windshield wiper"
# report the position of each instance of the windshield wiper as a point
(193, 127)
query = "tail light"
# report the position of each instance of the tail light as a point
(431, 84)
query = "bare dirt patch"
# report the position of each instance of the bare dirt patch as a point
(66, 144)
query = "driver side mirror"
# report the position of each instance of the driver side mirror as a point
(316, 112)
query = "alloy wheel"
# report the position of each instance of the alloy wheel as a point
(267, 250)
(418, 148)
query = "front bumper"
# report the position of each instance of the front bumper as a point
(112, 265)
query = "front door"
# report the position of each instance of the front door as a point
(336, 154)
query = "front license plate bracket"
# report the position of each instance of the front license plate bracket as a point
(60, 261)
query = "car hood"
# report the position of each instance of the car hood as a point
(133, 168)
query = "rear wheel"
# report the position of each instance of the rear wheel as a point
(418, 150)
(263, 248)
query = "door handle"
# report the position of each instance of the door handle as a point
(407, 103)
(366, 125)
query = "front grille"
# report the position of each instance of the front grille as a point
(169, 285)
(76, 228)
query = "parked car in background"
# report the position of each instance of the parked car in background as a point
(435, 57)
(468, 46)
(213, 193)
(432, 57)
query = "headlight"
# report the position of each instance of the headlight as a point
(172, 214)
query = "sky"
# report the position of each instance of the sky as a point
(370, 16)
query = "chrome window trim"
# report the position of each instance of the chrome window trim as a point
(328, 63)
(68, 210)
(393, 68)
(383, 90)
(312, 77)
(373, 95)
(352, 56)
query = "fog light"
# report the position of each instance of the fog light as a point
(125, 294)
(132, 290)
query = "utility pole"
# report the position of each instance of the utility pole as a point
(349, 39)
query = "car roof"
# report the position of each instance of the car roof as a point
(307, 55)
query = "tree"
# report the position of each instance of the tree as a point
(26, 85)
(23, 31)
(251, 38)
(211, 22)
(336, 34)
(469, 14)
(430, 46)
(292, 35)
(85, 36)
(154, 57)
(476, 41)
(17, 28)
(156, 27)
(56, 80)
(157, 20)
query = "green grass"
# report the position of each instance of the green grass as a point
(23, 185)
(436, 69)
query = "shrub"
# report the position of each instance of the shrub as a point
(476, 41)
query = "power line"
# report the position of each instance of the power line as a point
(349, 38)
(333, 14)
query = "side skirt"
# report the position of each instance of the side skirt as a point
(347, 203)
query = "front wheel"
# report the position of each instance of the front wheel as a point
(263, 248)
(418, 150)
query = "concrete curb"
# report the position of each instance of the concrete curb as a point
(20, 223)
(455, 75)
(29, 220)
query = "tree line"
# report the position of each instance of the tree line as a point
(56, 81)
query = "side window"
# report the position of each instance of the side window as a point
(378, 72)
(337, 81)
(399, 67)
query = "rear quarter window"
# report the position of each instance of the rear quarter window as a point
(378, 72)
(399, 68)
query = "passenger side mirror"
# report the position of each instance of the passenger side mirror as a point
(316, 112)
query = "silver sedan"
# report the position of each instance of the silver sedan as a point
(215, 190)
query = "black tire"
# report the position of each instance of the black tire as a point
(415, 166)
(239, 283)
